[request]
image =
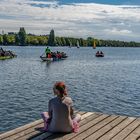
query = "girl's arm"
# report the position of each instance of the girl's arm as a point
(68, 101)
(49, 111)
(71, 111)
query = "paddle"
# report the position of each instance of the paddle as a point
(42, 54)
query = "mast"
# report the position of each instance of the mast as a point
(78, 44)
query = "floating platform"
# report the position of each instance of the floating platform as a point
(93, 126)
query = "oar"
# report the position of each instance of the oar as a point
(42, 54)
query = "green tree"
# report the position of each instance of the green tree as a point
(63, 41)
(1, 40)
(22, 37)
(51, 40)
(16, 39)
(5, 39)
(90, 41)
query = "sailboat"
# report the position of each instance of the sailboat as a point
(78, 46)
(70, 44)
(94, 45)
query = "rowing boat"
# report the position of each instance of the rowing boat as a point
(46, 59)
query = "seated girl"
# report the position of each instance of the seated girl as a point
(60, 117)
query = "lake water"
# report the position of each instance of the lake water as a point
(108, 85)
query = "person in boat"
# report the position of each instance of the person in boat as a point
(2, 52)
(53, 55)
(64, 55)
(49, 55)
(47, 51)
(58, 55)
(97, 53)
(60, 116)
(101, 52)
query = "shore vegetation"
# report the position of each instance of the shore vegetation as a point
(23, 39)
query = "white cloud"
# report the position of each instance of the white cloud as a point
(42, 2)
(79, 20)
(118, 32)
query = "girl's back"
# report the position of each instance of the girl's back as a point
(60, 116)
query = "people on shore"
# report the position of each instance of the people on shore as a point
(60, 116)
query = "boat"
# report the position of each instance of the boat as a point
(51, 59)
(63, 57)
(44, 58)
(94, 44)
(6, 54)
(5, 57)
(99, 54)
(70, 44)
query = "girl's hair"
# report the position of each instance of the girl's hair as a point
(61, 87)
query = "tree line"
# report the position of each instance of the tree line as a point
(23, 39)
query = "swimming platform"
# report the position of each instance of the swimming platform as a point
(93, 126)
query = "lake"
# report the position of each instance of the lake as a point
(109, 85)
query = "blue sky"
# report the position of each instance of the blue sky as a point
(103, 19)
(118, 2)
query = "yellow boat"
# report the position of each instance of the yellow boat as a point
(5, 57)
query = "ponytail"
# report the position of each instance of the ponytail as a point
(60, 86)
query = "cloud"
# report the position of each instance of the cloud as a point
(118, 32)
(76, 19)
(42, 2)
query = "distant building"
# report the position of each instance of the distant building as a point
(44, 35)
(11, 33)
(31, 34)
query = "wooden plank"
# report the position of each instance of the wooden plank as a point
(117, 129)
(84, 127)
(38, 135)
(45, 135)
(94, 128)
(83, 122)
(125, 132)
(89, 118)
(106, 128)
(26, 133)
(86, 115)
(19, 129)
(34, 135)
(134, 135)
(25, 130)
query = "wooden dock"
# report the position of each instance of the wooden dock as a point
(94, 126)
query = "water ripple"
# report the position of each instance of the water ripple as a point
(109, 85)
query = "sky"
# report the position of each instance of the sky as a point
(102, 19)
